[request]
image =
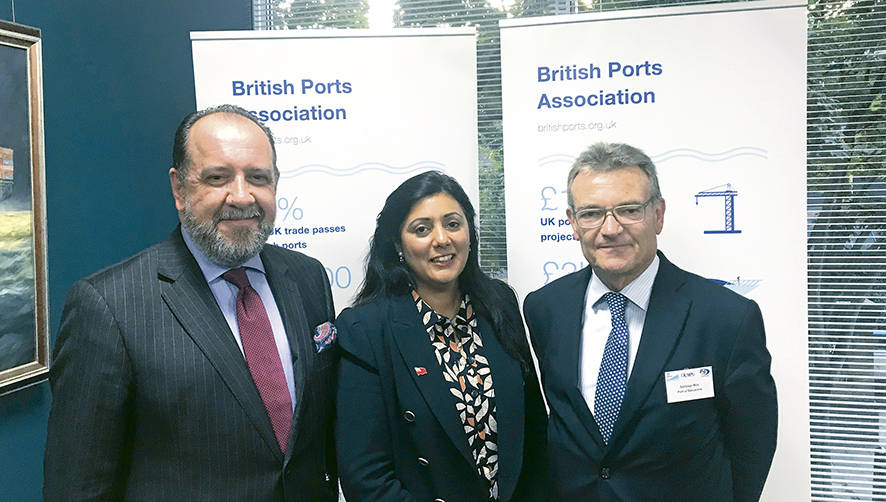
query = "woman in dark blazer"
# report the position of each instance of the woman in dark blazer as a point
(437, 395)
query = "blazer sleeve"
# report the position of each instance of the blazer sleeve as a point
(532, 485)
(331, 460)
(86, 452)
(364, 441)
(531, 306)
(750, 421)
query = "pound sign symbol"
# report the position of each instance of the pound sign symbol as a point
(545, 198)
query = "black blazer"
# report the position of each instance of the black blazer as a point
(153, 400)
(398, 434)
(708, 449)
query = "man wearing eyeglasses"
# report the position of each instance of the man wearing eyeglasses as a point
(657, 379)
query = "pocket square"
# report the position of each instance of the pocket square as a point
(324, 336)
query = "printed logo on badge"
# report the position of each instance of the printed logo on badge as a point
(689, 384)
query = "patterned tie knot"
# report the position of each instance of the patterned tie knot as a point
(616, 303)
(237, 277)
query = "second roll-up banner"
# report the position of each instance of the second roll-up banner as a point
(716, 96)
(354, 113)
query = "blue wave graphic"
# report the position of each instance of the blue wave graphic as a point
(364, 167)
(741, 151)
(556, 158)
(740, 286)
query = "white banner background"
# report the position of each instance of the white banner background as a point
(728, 114)
(409, 106)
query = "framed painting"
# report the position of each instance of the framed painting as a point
(24, 337)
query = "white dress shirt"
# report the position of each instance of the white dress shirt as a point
(226, 296)
(597, 323)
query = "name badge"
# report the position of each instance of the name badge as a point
(689, 384)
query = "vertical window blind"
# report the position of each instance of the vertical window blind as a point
(846, 257)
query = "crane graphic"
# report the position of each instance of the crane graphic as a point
(726, 191)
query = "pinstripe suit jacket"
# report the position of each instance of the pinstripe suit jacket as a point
(153, 400)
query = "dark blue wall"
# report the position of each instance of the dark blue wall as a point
(117, 79)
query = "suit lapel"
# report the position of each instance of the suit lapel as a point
(662, 329)
(284, 287)
(570, 331)
(565, 339)
(415, 348)
(191, 301)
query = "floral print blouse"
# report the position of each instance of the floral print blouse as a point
(459, 350)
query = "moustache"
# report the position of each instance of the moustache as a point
(238, 213)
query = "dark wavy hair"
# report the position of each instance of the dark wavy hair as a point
(387, 276)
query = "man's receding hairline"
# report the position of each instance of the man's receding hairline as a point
(228, 116)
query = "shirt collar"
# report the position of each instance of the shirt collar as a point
(637, 291)
(211, 270)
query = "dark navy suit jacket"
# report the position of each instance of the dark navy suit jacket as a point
(153, 400)
(708, 449)
(398, 435)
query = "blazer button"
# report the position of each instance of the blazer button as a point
(423, 462)
(439, 500)
(604, 472)
(409, 416)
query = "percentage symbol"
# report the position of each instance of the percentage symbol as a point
(290, 211)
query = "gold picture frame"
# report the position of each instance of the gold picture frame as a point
(24, 330)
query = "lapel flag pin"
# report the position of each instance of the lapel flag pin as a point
(420, 371)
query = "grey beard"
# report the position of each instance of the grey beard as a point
(246, 242)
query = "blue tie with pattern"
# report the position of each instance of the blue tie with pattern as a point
(613, 369)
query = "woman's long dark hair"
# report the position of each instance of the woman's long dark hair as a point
(387, 276)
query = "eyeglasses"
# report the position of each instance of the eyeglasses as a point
(625, 214)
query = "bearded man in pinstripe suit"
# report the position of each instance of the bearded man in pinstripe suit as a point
(203, 367)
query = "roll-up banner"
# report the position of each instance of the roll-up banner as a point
(354, 113)
(716, 96)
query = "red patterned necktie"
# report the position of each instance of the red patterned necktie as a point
(261, 354)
